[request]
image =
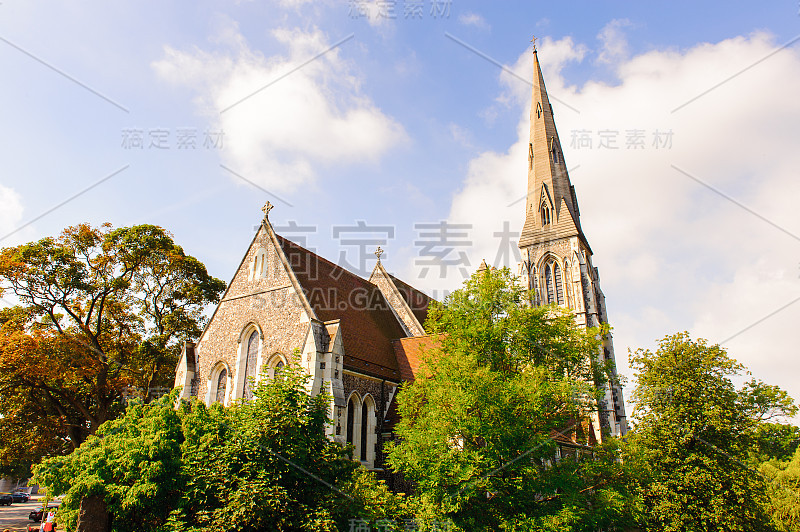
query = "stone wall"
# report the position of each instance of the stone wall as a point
(266, 299)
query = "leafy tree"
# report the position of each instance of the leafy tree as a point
(265, 464)
(477, 427)
(133, 464)
(774, 441)
(103, 314)
(690, 445)
(262, 465)
(783, 478)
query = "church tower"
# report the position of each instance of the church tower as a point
(556, 256)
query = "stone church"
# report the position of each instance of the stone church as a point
(360, 339)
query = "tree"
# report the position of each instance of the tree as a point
(691, 442)
(477, 427)
(773, 441)
(783, 485)
(103, 314)
(266, 464)
(262, 465)
(130, 469)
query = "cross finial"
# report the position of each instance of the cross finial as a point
(534, 43)
(378, 253)
(266, 208)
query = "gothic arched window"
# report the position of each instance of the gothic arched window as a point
(545, 214)
(250, 364)
(259, 265)
(364, 418)
(222, 386)
(351, 417)
(548, 281)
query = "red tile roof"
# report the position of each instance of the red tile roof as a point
(368, 324)
(409, 353)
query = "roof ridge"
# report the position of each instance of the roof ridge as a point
(323, 259)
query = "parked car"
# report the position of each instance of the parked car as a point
(19, 496)
(36, 515)
(6, 499)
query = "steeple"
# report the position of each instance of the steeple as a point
(556, 258)
(551, 210)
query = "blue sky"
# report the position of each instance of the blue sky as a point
(408, 120)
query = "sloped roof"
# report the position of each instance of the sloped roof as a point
(409, 353)
(417, 301)
(368, 324)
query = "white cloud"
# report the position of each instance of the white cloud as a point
(672, 253)
(615, 44)
(378, 13)
(10, 214)
(473, 19)
(280, 136)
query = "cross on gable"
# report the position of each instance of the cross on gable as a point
(266, 208)
(378, 253)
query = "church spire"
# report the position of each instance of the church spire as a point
(551, 207)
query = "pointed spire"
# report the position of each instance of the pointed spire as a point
(549, 187)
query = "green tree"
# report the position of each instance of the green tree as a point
(132, 464)
(103, 314)
(774, 441)
(783, 478)
(477, 427)
(266, 464)
(690, 445)
(262, 465)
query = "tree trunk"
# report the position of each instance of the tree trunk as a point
(93, 515)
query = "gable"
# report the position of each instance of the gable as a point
(261, 268)
(416, 300)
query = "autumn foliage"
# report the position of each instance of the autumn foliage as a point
(101, 316)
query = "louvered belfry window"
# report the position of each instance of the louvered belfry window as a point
(559, 287)
(250, 364)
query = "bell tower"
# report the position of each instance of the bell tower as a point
(556, 256)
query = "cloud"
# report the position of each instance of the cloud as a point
(473, 19)
(378, 13)
(10, 214)
(673, 252)
(305, 118)
(615, 44)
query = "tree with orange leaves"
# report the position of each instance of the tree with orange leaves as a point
(103, 313)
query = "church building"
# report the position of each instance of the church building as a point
(360, 339)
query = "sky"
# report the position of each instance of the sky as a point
(369, 123)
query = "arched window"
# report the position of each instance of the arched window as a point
(274, 365)
(545, 214)
(559, 287)
(250, 363)
(222, 386)
(548, 281)
(259, 265)
(351, 417)
(364, 433)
